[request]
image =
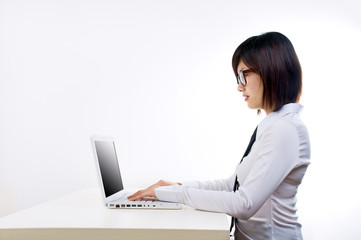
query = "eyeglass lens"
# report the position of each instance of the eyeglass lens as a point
(241, 79)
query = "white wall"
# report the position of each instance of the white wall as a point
(157, 76)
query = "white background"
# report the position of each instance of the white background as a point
(157, 76)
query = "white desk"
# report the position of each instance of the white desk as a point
(83, 216)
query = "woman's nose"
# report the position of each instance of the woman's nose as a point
(240, 87)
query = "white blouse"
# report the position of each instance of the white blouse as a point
(265, 203)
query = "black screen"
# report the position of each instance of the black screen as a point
(109, 168)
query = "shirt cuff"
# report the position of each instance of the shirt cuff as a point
(170, 193)
(192, 184)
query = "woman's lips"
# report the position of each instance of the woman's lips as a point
(245, 97)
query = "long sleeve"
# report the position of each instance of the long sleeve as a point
(175, 193)
(272, 158)
(265, 203)
(215, 185)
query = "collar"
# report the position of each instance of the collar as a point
(274, 116)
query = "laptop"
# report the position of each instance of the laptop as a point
(115, 196)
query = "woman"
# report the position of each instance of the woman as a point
(261, 194)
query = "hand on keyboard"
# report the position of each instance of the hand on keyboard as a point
(149, 192)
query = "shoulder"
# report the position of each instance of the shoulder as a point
(282, 126)
(286, 130)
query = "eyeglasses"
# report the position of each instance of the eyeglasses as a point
(241, 78)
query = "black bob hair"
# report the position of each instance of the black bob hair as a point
(273, 57)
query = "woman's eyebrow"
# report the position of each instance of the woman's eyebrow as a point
(243, 69)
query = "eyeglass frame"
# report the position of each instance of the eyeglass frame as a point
(241, 78)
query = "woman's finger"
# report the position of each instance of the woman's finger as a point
(138, 195)
(134, 196)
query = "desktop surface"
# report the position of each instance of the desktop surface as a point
(83, 215)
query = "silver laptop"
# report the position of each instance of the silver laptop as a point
(115, 196)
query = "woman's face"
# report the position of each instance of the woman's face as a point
(253, 91)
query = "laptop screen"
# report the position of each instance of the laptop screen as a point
(109, 167)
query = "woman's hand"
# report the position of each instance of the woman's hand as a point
(149, 192)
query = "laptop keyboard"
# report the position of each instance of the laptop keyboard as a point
(124, 202)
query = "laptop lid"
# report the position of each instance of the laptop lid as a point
(108, 167)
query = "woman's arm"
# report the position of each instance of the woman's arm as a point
(149, 192)
(216, 185)
(276, 155)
